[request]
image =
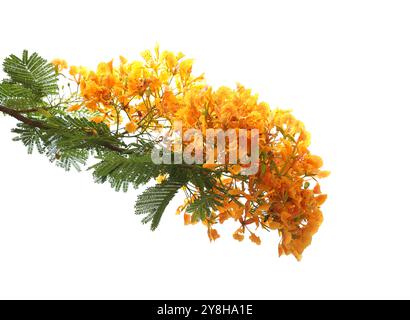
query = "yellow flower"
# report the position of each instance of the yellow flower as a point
(185, 68)
(131, 127)
(60, 64)
(170, 59)
(123, 60)
(74, 70)
(323, 174)
(147, 56)
(161, 178)
(105, 68)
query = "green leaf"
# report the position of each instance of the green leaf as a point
(153, 201)
(16, 96)
(32, 72)
(31, 137)
(202, 206)
(122, 170)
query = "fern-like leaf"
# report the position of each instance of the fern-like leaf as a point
(153, 201)
(122, 170)
(16, 96)
(33, 73)
(202, 206)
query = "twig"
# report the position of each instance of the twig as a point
(17, 115)
(39, 124)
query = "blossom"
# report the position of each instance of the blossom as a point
(238, 234)
(60, 64)
(255, 239)
(154, 93)
(187, 219)
(97, 119)
(213, 234)
(131, 127)
(74, 107)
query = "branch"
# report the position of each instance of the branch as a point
(30, 110)
(17, 115)
(114, 148)
(39, 124)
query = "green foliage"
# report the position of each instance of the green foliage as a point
(30, 137)
(66, 140)
(69, 132)
(16, 96)
(37, 138)
(33, 73)
(122, 170)
(138, 169)
(153, 201)
(69, 141)
(202, 206)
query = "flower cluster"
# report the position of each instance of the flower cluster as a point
(152, 94)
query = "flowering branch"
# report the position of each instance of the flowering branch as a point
(17, 115)
(124, 114)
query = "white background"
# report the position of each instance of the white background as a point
(342, 66)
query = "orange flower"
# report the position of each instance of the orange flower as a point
(316, 189)
(320, 199)
(238, 234)
(254, 238)
(236, 169)
(187, 219)
(213, 234)
(97, 119)
(74, 107)
(210, 165)
(160, 90)
(131, 127)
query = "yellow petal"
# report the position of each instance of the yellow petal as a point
(131, 127)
